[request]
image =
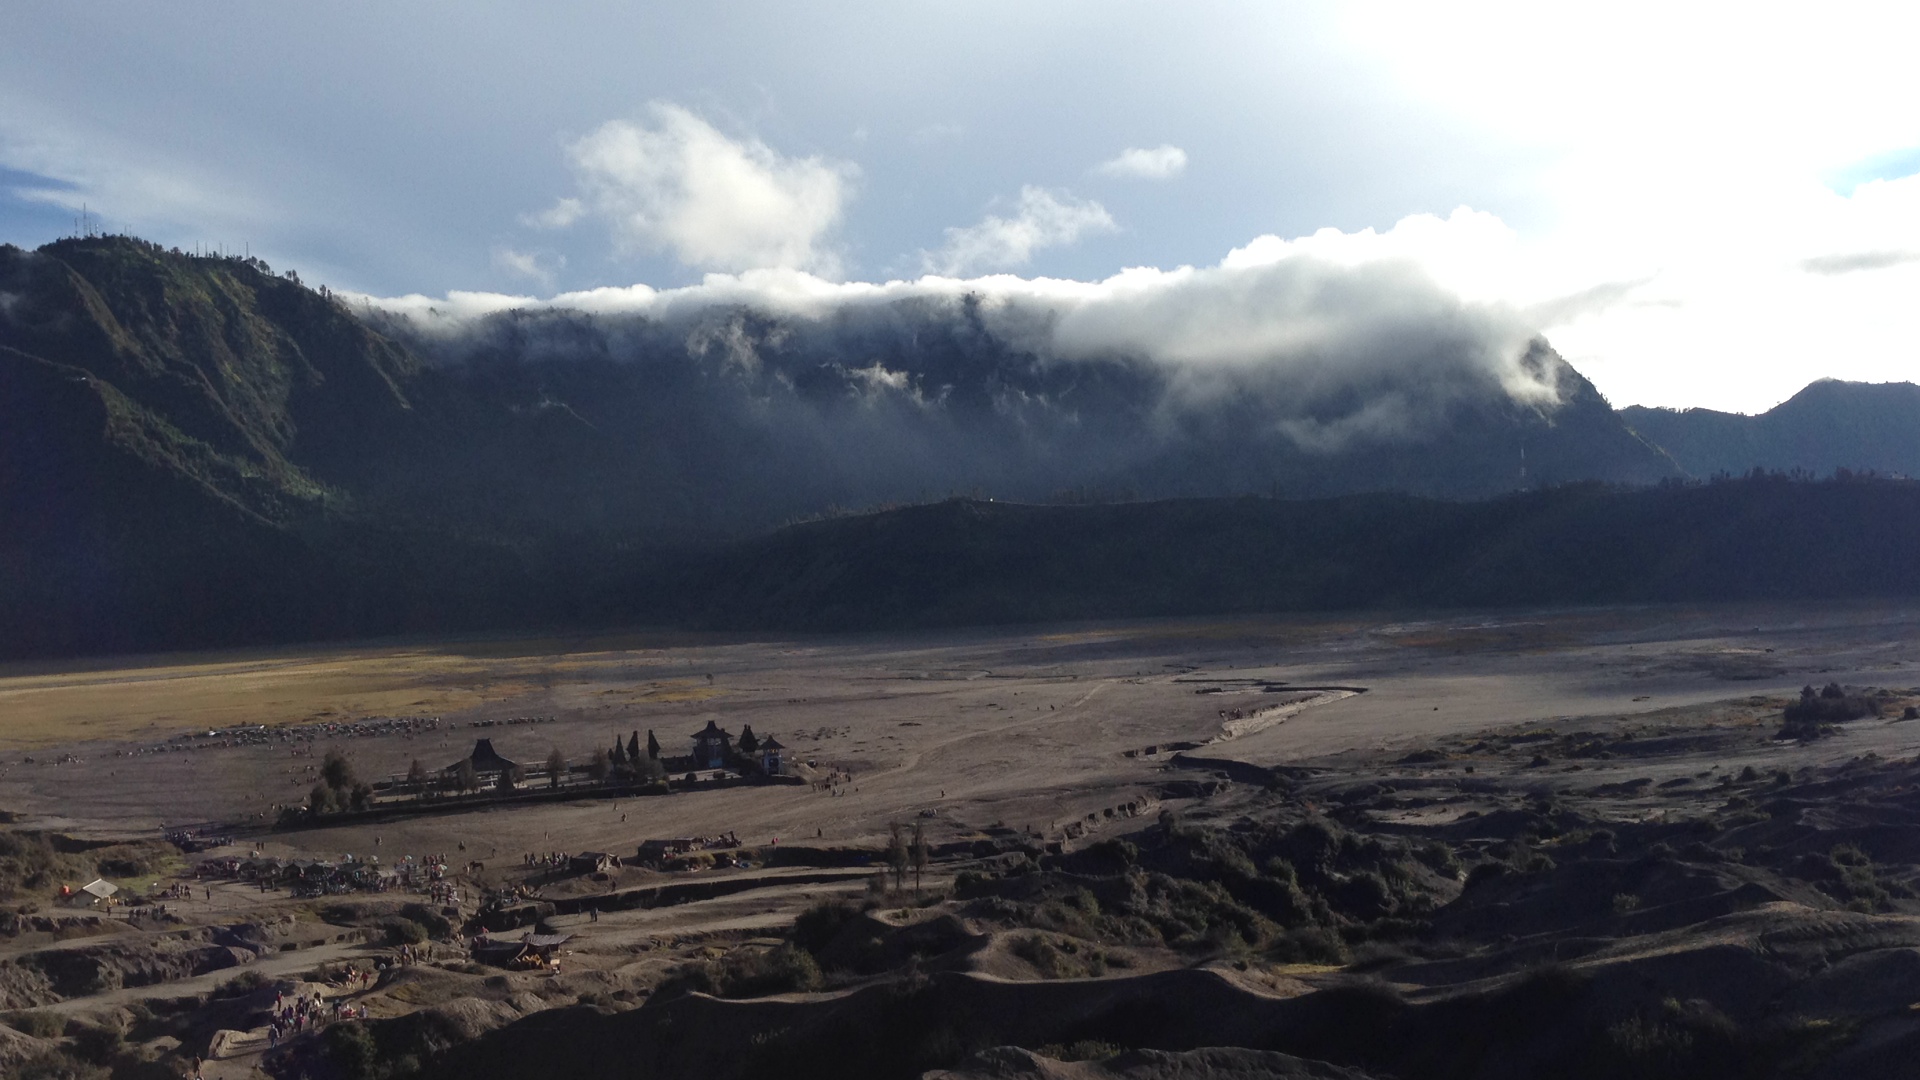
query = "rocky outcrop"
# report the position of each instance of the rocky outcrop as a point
(49, 975)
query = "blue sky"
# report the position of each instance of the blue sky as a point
(1680, 167)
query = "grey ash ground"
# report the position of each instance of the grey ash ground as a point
(1573, 843)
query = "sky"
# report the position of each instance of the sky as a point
(1698, 205)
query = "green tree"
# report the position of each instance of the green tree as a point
(321, 801)
(898, 858)
(335, 772)
(464, 778)
(921, 856)
(556, 767)
(600, 766)
(416, 775)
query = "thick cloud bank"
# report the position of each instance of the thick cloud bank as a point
(1296, 365)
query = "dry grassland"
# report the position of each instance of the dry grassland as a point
(149, 698)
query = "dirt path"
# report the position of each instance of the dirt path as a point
(276, 965)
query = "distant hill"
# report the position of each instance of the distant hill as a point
(1829, 425)
(962, 562)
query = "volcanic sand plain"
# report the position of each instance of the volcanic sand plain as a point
(1026, 727)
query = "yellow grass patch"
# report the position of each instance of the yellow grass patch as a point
(160, 696)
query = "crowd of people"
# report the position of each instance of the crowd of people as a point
(262, 735)
(305, 1012)
(835, 782)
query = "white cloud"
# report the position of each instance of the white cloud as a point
(1331, 337)
(1316, 310)
(679, 185)
(1159, 163)
(535, 267)
(1855, 261)
(560, 215)
(1041, 219)
(1698, 163)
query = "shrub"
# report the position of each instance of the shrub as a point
(59, 1065)
(30, 862)
(345, 913)
(98, 1043)
(399, 931)
(745, 973)
(435, 924)
(1814, 712)
(351, 1049)
(1439, 856)
(1065, 959)
(821, 923)
(1485, 872)
(1366, 895)
(243, 984)
(40, 1025)
(1308, 945)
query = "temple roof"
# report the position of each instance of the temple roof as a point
(712, 729)
(486, 759)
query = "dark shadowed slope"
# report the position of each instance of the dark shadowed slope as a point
(722, 420)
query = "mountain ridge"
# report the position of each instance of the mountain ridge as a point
(199, 451)
(1830, 424)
